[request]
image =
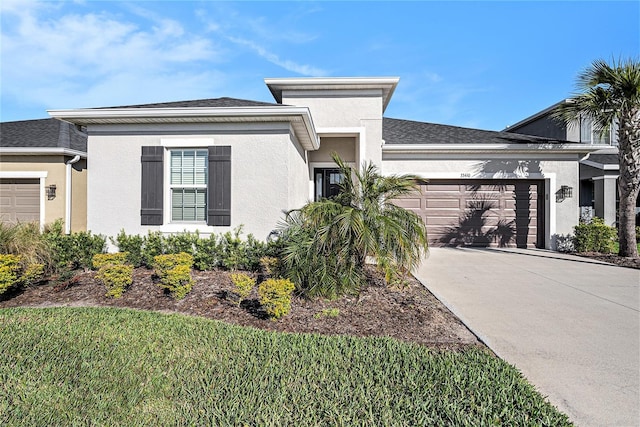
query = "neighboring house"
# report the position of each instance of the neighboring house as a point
(598, 194)
(215, 164)
(43, 173)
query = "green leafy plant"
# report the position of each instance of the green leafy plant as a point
(132, 245)
(17, 271)
(116, 278)
(243, 284)
(326, 243)
(327, 312)
(595, 236)
(26, 240)
(117, 258)
(113, 272)
(270, 266)
(75, 250)
(174, 272)
(275, 297)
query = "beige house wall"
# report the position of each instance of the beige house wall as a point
(55, 168)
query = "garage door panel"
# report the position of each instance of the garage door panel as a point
(19, 200)
(481, 212)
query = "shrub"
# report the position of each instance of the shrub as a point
(327, 312)
(275, 296)
(174, 271)
(113, 272)
(116, 277)
(9, 271)
(327, 242)
(118, 258)
(16, 271)
(208, 253)
(595, 236)
(75, 250)
(26, 240)
(270, 266)
(152, 247)
(243, 284)
(181, 242)
(132, 245)
(637, 234)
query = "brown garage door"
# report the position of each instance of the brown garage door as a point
(497, 213)
(19, 200)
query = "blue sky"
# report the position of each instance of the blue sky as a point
(473, 64)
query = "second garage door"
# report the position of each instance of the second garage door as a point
(19, 200)
(499, 213)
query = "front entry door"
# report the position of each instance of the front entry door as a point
(327, 182)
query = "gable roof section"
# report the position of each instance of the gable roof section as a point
(215, 110)
(412, 136)
(224, 102)
(43, 136)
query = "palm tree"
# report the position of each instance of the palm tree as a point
(610, 94)
(328, 242)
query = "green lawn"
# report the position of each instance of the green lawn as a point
(104, 366)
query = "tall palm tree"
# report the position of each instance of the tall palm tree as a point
(610, 94)
(327, 242)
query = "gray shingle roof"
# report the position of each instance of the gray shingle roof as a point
(605, 159)
(41, 133)
(397, 131)
(210, 103)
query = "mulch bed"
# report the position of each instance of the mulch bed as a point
(612, 259)
(410, 314)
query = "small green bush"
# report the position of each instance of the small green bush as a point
(118, 258)
(595, 236)
(116, 277)
(132, 245)
(243, 284)
(270, 266)
(275, 296)
(9, 271)
(75, 250)
(637, 234)
(16, 271)
(174, 271)
(113, 272)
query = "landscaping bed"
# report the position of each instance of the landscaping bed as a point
(409, 314)
(612, 259)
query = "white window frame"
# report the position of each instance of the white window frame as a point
(181, 143)
(182, 186)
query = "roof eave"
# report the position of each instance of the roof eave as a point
(40, 151)
(386, 84)
(581, 149)
(306, 133)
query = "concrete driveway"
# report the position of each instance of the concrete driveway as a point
(571, 326)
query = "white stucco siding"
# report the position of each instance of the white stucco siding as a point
(263, 168)
(334, 109)
(298, 180)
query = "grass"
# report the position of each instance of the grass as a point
(106, 366)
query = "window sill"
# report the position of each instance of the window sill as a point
(202, 228)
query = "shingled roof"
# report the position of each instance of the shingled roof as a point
(42, 133)
(397, 131)
(207, 103)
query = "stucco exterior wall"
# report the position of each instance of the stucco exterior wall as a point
(336, 111)
(344, 146)
(264, 164)
(560, 217)
(55, 168)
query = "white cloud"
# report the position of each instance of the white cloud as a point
(305, 70)
(50, 56)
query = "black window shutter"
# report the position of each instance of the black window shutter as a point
(219, 186)
(152, 178)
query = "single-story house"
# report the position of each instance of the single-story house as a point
(214, 164)
(599, 170)
(43, 173)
